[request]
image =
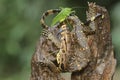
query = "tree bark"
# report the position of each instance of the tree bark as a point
(101, 64)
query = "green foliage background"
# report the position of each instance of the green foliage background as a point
(20, 30)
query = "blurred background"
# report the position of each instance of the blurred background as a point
(20, 30)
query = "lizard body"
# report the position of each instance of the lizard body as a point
(83, 53)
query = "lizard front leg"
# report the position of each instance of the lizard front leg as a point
(87, 29)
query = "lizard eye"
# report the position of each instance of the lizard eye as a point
(41, 64)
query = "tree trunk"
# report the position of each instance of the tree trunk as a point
(101, 65)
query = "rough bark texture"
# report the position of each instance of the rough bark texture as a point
(101, 65)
